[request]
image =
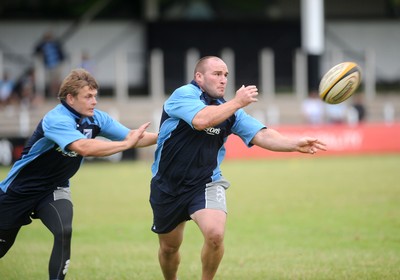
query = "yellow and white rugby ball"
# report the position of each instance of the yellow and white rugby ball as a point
(340, 82)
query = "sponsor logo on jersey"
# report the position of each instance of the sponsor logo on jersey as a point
(212, 130)
(88, 133)
(67, 154)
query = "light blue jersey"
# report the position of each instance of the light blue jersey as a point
(186, 158)
(46, 161)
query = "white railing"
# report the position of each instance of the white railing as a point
(271, 114)
(266, 71)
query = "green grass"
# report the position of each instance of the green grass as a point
(309, 218)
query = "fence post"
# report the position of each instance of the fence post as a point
(1, 65)
(228, 56)
(40, 79)
(24, 121)
(121, 79)
(369, 74)
(267, 74)
(156, 80)
(192, 56)
(300, 74)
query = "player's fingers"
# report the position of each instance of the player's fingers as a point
(320, 145)
(143, 127)
(252, 92)
(252, 89)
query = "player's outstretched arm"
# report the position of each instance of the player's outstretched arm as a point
(148, 139)
(100, 148)
(271, 139)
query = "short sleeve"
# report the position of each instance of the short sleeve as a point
(111, 128)
(184, 103)
(246, 126)
(61, 130)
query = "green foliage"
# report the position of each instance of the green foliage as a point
(309, 218)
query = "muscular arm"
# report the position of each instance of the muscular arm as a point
(214, 115)
(149, 138)
(97, 147)
(271, 139)
(100, 148)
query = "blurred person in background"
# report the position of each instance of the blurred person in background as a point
(336, 113)
(6, 90)
(87, 62)
(358, 105)
(25, 90)
(313, 109)
(187, 183)
(52, 54)
(37, 186)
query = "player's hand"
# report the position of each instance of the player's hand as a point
(136, 134)
(310, 145)
(246, 95)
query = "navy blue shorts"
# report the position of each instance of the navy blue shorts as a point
(17, 210)
(169, 211)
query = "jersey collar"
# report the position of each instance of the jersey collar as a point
(193, 82)
(72, 110)
(207, 98)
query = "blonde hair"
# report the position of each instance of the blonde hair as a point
(76, 79)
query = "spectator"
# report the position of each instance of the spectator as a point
(359, 106)
(53, 57)
(87, 62)
(336, 113)
(6, 90)
(313, 109)
(25, 90)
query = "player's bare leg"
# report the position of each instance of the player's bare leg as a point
(212, 224)
(168, 254)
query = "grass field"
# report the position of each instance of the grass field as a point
(310, 218)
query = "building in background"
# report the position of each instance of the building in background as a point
(128, 31)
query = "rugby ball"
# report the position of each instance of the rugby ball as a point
(340, 82)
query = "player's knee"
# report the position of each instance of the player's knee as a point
(68, 231)
(169, 248)
(214, 237)
(63, 232)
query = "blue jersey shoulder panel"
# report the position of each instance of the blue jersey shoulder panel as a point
(186, 158)
(46, 161)
(184, 103)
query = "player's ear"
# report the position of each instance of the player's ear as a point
(69, 98)
(198, 76)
